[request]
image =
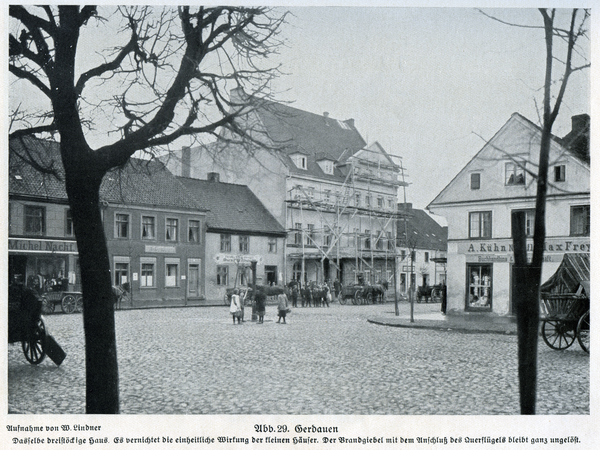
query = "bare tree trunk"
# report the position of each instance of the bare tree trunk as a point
(526, 286)
(102, 378)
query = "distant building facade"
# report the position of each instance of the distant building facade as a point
(241, 235)
(154, 229)
(499, 180)
(334, 195)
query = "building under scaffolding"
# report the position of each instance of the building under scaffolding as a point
(341, 229)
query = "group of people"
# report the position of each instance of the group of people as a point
(260, 298)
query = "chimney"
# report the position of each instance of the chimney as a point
(186, 162)
(579, 122)
(350, 122)
(326, 114)
(213, 177)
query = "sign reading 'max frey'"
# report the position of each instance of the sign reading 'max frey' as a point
(42, 246)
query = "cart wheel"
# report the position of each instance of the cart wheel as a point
(68, 304)
(558, 334)
(47, 306)
(357, 298)
(583, 331)
(343, 300)
(369, 298)
(33, 346)
(79, 304)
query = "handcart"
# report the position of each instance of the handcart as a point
(565, 304)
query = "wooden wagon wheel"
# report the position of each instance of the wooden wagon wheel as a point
(343, 299)
(583, 331)
(68, 304)
(357, 297)
(558, 334)
(33, 345)
(79, 304)
(47, 305)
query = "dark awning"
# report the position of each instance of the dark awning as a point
(572, 274)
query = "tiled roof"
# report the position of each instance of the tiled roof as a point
(232, 207)
(139, 182)
(423, 232)
(318, 136)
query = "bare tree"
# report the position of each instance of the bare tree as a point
(165, 73)
(527, 275)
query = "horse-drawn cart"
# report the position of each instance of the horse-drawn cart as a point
(565, 304)
(363, 294)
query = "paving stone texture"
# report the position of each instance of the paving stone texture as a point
(336, 360)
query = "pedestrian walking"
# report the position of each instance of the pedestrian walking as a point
(261, 300)
(282, 307)
(236, 307)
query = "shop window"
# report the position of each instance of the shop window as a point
(480, 224)
(148, 227)
(69, 230)
(35, 220)
(171, 273)
(580, 220)
(226, 243)
(479, 286)
(272, 245)
(475, 181)
(297, 272)
(172, 230)
(560, 173)
(529, 221)
(222, 275)
(194, 231)
(147, 272)
(244, 244)
(121, 273)
(514, 174)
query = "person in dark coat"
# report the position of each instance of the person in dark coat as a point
(337, 288)
(261, 300)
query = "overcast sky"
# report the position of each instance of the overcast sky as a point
(429, 84)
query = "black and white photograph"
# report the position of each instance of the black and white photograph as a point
(299, 225)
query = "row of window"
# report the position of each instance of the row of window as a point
(148, 272)
(413, 256)
(310, 237)
(360, 200)
(244, 244)
(515, 175)
(149, 231)
(480, 222)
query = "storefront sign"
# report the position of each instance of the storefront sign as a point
(229, 258)
(160, 249)
(42, 246)
(506, 246)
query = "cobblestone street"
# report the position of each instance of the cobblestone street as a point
(324, 361)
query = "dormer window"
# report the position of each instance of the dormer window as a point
(514, 174)
(300, 161)
(326, 166)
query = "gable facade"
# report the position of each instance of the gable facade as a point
(478, 205)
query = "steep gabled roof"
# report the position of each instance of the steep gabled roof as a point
(423, 232)
(318, 136)
(232, 208)
(138, 182)
(516, 127)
